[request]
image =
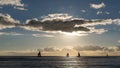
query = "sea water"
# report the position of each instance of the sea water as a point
(58, 62)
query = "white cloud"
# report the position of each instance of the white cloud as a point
(116, 21)
(28, 20)
(11, 2)
(97, 31)
(4, 26)
(107, 12)
(83, 11)
(16, 3)
(56, 17)
(97, 6)
(19, 8)
(51, 49)
(95, 22)
(30, 28)
(101, 12)
(10, 33)
(43, 35)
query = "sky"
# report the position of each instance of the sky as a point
(57, 26)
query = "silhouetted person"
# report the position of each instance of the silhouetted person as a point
(67, 55)
(39, 54)
(78, 54)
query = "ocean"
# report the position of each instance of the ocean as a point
(59, 62)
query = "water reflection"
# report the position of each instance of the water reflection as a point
(73, 62)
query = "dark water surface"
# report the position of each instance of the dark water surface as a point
(59, 62)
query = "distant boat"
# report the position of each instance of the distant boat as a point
(39, 54)
(67, 55)
(78, 54)
(107, 54)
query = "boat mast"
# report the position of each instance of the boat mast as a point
(78, 54)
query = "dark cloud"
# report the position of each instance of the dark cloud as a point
(6, 21)
(67, 26)
(65, 23)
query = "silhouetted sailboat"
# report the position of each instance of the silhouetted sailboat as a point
(78, 54)
(67, 55)
(107, 54)
(39, 54)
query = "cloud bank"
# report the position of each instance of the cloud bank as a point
(89, 50)
(83, 48)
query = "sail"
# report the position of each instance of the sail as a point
(67, 55)
(78, 54)
(39, 54)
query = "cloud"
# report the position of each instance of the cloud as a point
(6, 21)
(51, 49)
(97, 31)
(59, 23)
(64, 23)
(56, 17)
(96, 48)
(10, 33)
(83, 11)
(43, 35)
(97, 6)
(11, 2)
(101, 12)
(19, 8)
(56, 51)
(95, 22)
(118, 41)
(116, 21)
(81, 48)
(88, 48)
(16, 3)
(107, 12)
